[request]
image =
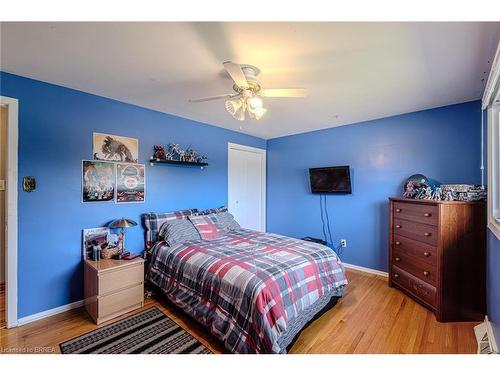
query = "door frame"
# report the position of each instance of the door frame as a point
(262, 152)
(11, 210)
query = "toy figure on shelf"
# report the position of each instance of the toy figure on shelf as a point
(190, 155)
(409, 190)
(427, 193)
(174, 152)
(438, 194)
(159, 153)
(201, 159)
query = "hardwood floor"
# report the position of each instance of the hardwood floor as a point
(370, 318)
(2, 305)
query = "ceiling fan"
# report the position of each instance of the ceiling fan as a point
(248, 92)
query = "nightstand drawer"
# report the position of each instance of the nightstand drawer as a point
(115, 303)
(120, 278)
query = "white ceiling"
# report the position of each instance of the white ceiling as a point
(353, 71)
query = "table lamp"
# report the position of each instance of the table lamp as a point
(122, 224)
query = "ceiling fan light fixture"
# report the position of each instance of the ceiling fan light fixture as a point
(255, 102)
(236, 107)
(258, 113)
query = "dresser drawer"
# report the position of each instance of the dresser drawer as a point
(416, 287)
(120, 278)
(415, 266)
(417, 231)
(420, 213)
(422, 251)
(117, 302)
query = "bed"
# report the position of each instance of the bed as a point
(254, 291)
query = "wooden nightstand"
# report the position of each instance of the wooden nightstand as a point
(113, 287)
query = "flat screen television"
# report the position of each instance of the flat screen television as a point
(330, 180)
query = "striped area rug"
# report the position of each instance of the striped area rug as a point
(147, 332)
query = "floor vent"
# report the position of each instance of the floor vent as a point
(485, 340)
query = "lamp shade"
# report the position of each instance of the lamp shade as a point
(122, 223)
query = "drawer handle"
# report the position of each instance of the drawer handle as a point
(398, 209)
(426, 273)
(396, 276)
(427, 234)
(427, 214)
(426, 254)
(398, 226)
(398, 243)
(397, 259)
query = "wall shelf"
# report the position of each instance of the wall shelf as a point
(153, 161)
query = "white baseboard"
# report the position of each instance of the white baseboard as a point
(365, 269)
(47, 313)
(491, 335)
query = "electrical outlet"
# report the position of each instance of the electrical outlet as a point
(343, 243)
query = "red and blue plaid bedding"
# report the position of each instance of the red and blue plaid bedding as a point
(247, 286)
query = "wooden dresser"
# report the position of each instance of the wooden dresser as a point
(437, 255)
(113, 287)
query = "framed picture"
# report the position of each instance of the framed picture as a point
(110, 147)
(98, 181)
(99, 235)
(130, 183)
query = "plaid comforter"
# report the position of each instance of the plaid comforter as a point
(246, 286)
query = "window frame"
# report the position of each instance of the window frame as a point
(494, 168)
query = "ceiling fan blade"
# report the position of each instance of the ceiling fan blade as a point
(223, 96)
(283, 93)
(236, 74)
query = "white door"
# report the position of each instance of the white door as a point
(247, 186)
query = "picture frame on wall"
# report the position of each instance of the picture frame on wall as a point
(98, 181)
(109, 147)
(130, 183)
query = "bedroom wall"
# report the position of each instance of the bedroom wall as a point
(441, 143)
(55, 135)
(493, 284)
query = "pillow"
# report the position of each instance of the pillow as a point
(226, 221)
(209, 211)
(153, 222)
(207, 226)
(176, 231)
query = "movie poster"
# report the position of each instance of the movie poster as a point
(110, 147)
(130, 183)
(98, 181)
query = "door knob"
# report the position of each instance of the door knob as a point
(426, 273)
(426, 254)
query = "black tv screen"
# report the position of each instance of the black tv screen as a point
(330, 180)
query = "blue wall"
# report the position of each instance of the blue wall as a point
(493, 283)
(442, 143)
(55, 135)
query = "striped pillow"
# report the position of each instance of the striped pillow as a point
(209, 211)
(178, 231)
(226, 221)
(207, 226)
(153, 222)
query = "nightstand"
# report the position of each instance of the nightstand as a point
(113, 287)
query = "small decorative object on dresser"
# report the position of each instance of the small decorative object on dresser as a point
(113, 287)
(437, 255)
